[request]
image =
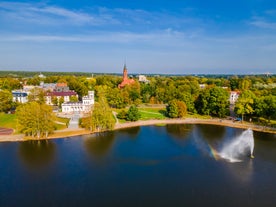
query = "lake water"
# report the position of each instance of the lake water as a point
(173, 165)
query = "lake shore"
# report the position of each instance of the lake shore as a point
(76, 132)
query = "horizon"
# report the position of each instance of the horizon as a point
(136, 74)
(153, 37)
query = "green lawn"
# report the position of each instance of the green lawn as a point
(8, 120)
(152, 113)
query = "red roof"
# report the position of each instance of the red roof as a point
(61, 84)
(62, 93)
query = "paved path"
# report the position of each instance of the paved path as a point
(74, 122)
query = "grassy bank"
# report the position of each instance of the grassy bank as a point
(8, 120)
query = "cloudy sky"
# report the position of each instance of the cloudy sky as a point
(152, 36)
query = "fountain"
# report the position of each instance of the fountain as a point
(239, 147)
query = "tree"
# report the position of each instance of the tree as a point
(5, 100)
(133, 114)
(244, 104)
(172, 109)
(182, 109)
(116, 98)
(265, 107)
(74, 99)
(60, 101)
(35, 119)
(100, 118)
(176, 109)
(37, 94)
(213, 101)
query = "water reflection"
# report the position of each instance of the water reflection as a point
(131, 132)
(211, 132)
(241, 171)
(180, 131)
(37, 154)
(99, 144)
(265, 141)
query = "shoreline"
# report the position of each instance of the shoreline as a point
(67, 133)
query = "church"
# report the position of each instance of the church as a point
(126, 80)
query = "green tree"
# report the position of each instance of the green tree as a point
(133, 113)
(100, 118)
(35, 119)
(60, 101)
(55, 100)
(176, 109)
(74, 99)
(213, 101)
(244, 104)
(182, 109)
(5, 100)
(116, 98)
(172, 109)
(37, 94)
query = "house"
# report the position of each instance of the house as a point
(61, 90)
(83, 106)
(20, 96)
(143, 79)
(234, 95)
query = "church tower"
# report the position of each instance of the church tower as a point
(125, 81)
(125, 78)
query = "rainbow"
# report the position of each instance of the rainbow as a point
(214, 153)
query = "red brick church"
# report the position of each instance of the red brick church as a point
(125, 81)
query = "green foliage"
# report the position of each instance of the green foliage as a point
(245, 103)
(122, 114)
(100, 118)
(172, 109)
(60, 101)
(74, 99)
(133, 114)
(5, 100)
(265, 107)
(10, 84)
(116, 98)
(37, 94)
(213, 101)
(176, 109)
(35, 119)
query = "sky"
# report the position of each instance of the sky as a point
(150, 36)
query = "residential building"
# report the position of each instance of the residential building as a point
(83, 106)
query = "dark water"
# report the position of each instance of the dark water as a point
(143, 166)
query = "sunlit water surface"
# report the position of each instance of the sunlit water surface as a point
(174, 165)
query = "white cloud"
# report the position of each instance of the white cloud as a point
(50, 15)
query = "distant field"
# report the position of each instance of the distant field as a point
(8, 120)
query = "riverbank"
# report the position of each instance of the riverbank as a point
(76, 132)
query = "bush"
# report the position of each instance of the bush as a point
(133, 114)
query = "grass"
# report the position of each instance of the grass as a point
(8, 120)
(152, 113)
(63, 120)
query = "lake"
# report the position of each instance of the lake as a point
(172, 165)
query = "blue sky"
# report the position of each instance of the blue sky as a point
(153, 36)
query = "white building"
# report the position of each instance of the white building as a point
(20, 96)
(234, 95)
(84, 106)
(143, 79)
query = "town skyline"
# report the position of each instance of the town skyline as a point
(155, 37)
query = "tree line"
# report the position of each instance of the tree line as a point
(182, 95)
